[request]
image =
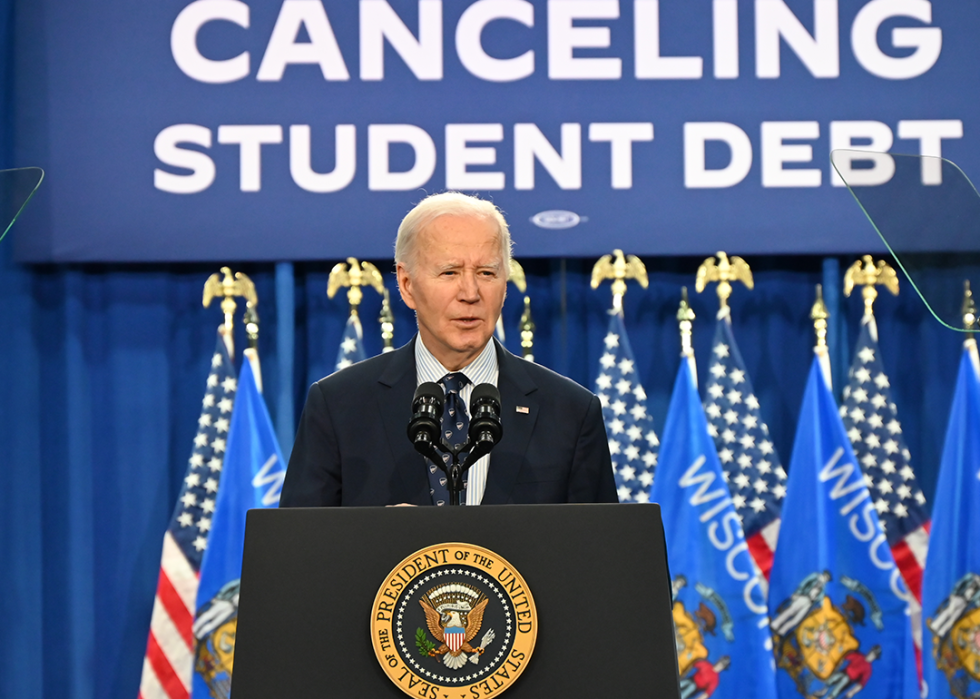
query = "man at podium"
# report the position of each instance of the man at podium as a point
(452, 258)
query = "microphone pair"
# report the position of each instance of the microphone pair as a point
(425, 427)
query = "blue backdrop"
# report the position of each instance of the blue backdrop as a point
(176, 130)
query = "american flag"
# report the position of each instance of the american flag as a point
(352, 345)
(871, 420)
(748, 457)
(633, 443)
(169, 662)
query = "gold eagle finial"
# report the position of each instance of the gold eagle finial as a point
(354, 275)
(619, 268)
(227, 286)
(868, 274)
(724, 272)
(516, 276)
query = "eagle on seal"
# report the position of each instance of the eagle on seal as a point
(454, 615)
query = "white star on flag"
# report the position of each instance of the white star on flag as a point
(184, 542)
(876, 435)
(748, 459)
(633, 444)
(351, 345)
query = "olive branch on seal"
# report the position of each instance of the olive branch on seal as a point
(423, 643)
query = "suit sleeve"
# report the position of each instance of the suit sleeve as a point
(591, 478)
(313, 476)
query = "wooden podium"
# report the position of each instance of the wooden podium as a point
(598, 575)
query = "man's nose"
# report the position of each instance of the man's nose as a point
(469, 289)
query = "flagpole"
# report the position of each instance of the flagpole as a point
(969, 311)
(819, 315)
(527, 331)
(685, 320)
(387, 322)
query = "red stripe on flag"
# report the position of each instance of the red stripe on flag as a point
(179, 614)
(164, 671)
(909, 567)
(761, 553)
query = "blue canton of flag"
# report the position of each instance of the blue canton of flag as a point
(632, 441)
(169, 662)
(191, 524)
(253, 476)
(719, 607)
(951, 586)
(352, 345)
(871, 420)
(839, 624)
(752, 467)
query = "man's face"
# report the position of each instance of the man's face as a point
(456, 287)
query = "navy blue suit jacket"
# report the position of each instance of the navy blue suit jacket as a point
(352, 446)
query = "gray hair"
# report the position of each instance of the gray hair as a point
(448, 204)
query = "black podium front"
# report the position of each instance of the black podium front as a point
(597, 573)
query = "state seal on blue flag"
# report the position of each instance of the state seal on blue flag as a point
(955, 630)
(699, 673)
(719, 600)
(951, 583)
(816, 641)
(839, 611)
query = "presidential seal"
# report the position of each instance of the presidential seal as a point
(453, 621)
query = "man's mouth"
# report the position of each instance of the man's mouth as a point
(467, 322)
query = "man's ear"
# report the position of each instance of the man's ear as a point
(405, 285)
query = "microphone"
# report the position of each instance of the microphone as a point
(426, 424)
(485, 428)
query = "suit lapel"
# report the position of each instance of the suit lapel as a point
(409, 482)
(516, 389)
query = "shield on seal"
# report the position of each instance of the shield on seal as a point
(825, 637)
(687, 636)
(455, 635)
(966, 643)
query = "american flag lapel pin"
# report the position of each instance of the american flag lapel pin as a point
(524, 410)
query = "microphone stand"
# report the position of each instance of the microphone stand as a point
(422, 430)
(454, 471)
